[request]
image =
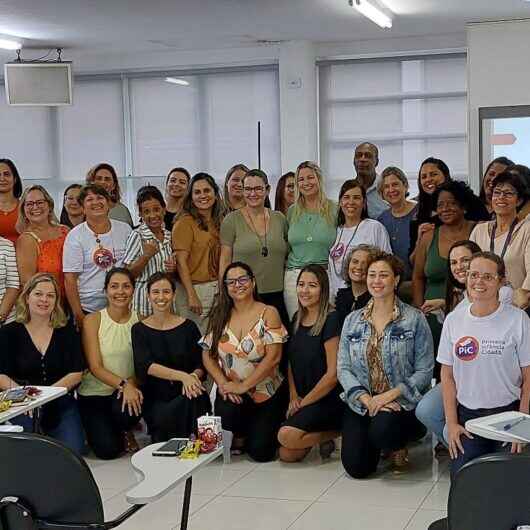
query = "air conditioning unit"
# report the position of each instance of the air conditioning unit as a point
(38, 83)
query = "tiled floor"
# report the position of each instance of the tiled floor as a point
(308, 496)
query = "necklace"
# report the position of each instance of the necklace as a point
(102, 257)
(264, 247)
(309, 234)
(508, 237)
(338, 251)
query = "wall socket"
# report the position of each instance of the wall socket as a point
(295, 83)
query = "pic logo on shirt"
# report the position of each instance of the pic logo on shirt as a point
(466, 348)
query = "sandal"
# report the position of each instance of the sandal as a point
(131, 445)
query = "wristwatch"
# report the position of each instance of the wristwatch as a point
(122, 384)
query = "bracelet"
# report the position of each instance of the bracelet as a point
(123, 384)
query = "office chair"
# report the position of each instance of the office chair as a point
(489, 493)
(44, 485)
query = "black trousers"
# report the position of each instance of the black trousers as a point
(105, 424)
(176, 418)
(477, 446)
(259, 423)
(364, 437)
(276, 300)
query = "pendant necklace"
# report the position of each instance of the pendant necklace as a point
(309, 236)
(103, 257)
(263, 245)
(338, 251)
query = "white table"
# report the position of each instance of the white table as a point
(49, 393)
(161, 474)
(480, 427)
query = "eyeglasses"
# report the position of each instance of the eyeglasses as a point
(290, 187)
(486, 276)
(256, 189)
(240, 282)
(31, 204)
(507, 194)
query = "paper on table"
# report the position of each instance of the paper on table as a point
(521, 428)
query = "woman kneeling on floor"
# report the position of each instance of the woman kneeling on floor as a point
(485, 357)
(385, 364)
(242, 352)
(168, 363)
(315, 409)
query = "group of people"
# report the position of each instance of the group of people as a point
(312, 320)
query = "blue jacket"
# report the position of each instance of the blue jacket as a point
(407, 353)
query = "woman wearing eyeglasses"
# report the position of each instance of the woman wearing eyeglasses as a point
(507, 236)
(257, 236)
(40, 245)
(242, 351)
(485, 356)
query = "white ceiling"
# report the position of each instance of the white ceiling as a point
(143, 25)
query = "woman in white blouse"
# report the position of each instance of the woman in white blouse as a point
(354, 228)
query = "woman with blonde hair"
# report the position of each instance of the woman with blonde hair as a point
(312, 228)
(40, 349)
(105, 176)
(40, 245)
(233, 187)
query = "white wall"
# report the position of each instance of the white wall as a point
(296, 60)
(498, 74)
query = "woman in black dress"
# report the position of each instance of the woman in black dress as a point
(41, 349)
(315, 411)
(168, 363)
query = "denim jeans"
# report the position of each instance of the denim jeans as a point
(68, 429)
(430, 411)
(477, 446)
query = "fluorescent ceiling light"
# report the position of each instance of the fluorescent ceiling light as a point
(372, 12)
(176, 81)
(8, 44)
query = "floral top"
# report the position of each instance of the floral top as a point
(378, 379)
(238, 359)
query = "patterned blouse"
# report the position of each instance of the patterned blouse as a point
(378, 379)
(238, 359)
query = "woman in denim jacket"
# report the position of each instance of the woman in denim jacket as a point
(385, 363)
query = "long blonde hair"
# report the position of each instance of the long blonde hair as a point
(57, 318)
(327, 209)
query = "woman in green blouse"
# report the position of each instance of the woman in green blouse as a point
(312, 223)
(257, 235)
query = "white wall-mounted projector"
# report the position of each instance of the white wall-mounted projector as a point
(38, 83)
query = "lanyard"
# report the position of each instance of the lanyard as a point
(508, 237)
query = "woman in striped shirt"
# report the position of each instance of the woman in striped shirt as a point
(9, 282)
(148, 248)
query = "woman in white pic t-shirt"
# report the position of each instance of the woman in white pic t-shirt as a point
(485, 355)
